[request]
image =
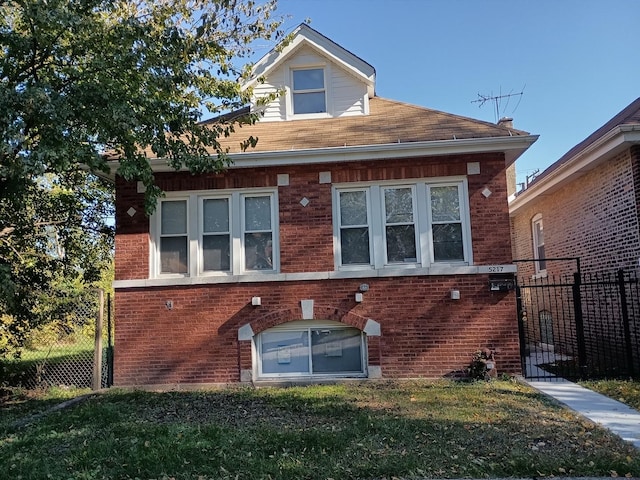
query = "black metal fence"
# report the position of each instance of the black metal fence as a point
(580, 326)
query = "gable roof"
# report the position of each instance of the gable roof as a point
(618, 133)
(304, 35)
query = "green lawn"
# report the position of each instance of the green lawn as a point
(625, 391)
(370, 430)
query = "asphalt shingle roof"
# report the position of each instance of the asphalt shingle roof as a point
(388, 122)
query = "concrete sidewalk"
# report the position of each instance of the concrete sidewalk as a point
(622, 420)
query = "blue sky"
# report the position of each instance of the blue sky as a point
(578, 61)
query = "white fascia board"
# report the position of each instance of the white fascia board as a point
(512, 147)
(609, 144)
(356, 66)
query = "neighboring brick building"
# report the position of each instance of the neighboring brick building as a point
(585, 207)
(585, 204)
(355, 240)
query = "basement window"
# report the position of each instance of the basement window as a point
(298, 349)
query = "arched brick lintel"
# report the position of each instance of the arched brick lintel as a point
(320, 312)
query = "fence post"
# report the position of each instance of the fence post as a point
(625, 321)
(109, 343)
(577, 305)
(97, 352)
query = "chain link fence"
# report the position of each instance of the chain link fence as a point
(73, 351)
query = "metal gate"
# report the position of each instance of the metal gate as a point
(579, 326)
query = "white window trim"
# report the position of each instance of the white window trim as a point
(296, 326)
(291, 115)
(422, 222)
(195, 230)
(540, 272)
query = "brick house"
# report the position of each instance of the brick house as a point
(585, 204)
(356, 240)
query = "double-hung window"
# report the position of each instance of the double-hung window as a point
(216, 234)
(538, 245)
(308, 92)
(233, 232)
(354, 227)
(399, 225)
(446, 223)
(258, 232)
(174, 245)
(411, 224)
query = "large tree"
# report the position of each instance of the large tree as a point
(84, 79)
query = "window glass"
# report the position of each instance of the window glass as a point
(216, 215)
(308, 91)
(445, 204)
(308, 79)
(173, 255)
(353, 208)
(174, 217)
(258, 248)
(400, 231)
(257, 213)
(336, 350)
(398, 203)
(354, 231)
(216, 253)
(447, 242)
(285, 352)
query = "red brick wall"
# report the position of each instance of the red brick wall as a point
(595, 218)
(424, 332)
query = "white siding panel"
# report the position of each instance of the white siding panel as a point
(275, 111)
(307, 57)
(348, 94)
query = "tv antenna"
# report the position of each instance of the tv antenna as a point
(497, 101)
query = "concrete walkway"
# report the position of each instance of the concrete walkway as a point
(622, 420)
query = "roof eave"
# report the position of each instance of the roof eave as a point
(610, 144)
(512, 147)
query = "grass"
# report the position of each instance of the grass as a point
(625, 391)
(438, 429)
(371, 430)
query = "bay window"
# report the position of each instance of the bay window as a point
(228, 233)
(393, 224)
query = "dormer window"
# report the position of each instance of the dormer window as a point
(309, 94)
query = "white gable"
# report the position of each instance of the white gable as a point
(349, 82)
